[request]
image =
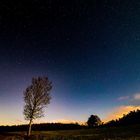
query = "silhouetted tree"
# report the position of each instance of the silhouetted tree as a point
(131, 118)
(93, 121)
(36, 97)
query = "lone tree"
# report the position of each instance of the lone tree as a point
(36, 97)
(93, 121)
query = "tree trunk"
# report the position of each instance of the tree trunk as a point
(30, 125)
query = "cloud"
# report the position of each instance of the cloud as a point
(136, 96)
(133, 97)
(118, 112)
(124, 98)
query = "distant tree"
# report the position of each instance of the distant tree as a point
(93, 121)
(36, 97)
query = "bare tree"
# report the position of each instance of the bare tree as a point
(36, 97)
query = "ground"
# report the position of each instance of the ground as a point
(120, 133)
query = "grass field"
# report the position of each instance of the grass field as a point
(122, 133)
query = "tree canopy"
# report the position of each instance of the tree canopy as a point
(93, 121)
(36, 97)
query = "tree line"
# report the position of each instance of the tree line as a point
(42, 127)
(132, 118)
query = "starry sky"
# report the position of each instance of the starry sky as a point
(89, 49)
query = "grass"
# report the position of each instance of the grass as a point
(120, 133)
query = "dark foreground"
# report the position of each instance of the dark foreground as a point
(121, 133)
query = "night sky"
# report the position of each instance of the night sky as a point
(89, 49)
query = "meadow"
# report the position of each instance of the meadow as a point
(119, 133)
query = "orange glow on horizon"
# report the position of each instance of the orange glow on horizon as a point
(118, 112)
